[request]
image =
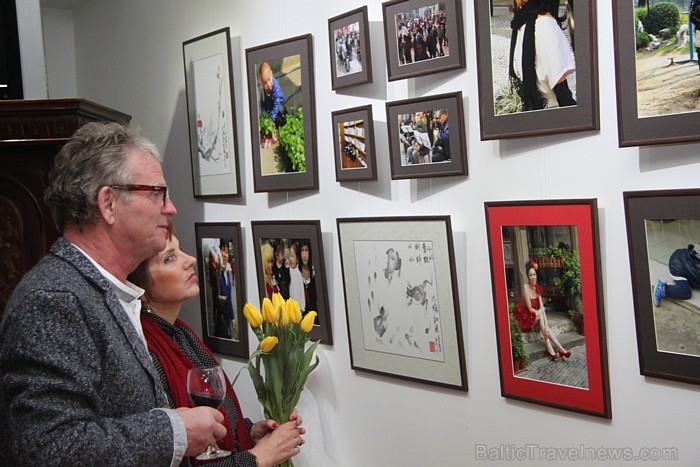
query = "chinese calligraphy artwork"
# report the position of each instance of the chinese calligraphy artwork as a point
(401, 298)
(212, 122)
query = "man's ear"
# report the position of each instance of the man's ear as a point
(107, 204)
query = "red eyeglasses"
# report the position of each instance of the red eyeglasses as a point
(163, 189)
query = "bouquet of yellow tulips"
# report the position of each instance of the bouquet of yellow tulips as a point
(283, 336)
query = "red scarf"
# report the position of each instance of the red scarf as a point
(176, 365)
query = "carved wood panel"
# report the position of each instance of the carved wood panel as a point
(31, 134)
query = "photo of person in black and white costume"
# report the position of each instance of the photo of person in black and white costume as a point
(542, 69)
(694, 16)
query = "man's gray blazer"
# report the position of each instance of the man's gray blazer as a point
(77, 384)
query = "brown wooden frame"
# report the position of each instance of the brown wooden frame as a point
(594, 398)
(355, 114)
(413, 242)
(224, 147)
(455, 34)
(208, 236)
(584, 116)
(454, 105)
(364, 76)
(662, 208)
(309, 230)
(255, 56)
(633, 130)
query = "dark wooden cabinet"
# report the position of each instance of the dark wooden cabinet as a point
(31, 134)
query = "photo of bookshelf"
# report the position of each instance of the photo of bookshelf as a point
(352, 140)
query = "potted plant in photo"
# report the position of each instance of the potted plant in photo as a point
(576, 315)
(268, 131)
(292, 140)
(569, 281)
(520, 356)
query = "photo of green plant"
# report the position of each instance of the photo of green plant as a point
(281, 122)
(282, 115)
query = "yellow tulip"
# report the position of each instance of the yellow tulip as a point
(293, 311)
(277, 300)
(253, 315)
(284, 316)
(307, 324)
(269, 343)
(269, 311)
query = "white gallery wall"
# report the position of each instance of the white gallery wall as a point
(128, 55)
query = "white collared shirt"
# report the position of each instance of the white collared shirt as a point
(127, 293)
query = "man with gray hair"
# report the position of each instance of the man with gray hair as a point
(77, 385)
(441, 146)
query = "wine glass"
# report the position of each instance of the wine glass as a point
(207, 386)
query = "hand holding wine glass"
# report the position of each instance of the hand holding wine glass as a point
(207, 387)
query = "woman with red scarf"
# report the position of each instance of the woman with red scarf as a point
(168, 279)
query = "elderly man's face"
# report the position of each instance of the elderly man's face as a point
(141, 222)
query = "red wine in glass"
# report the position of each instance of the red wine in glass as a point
(207, 387)
(205, 398)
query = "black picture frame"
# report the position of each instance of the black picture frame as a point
(402, 299)
(268, 235)
(428, 159)
(353, 141)
(584, 116)
(211, 115)
(659, 224)
(276, 168)
(209, 238)
(641, 126)
(357, 69)
(559, 240)
(393, 13)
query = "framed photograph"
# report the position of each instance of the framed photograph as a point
(353, 140)
(222, 287)
(426, 136)
(211, 115)
(283, 115)
(401, 298)
(655, 103)
(423, 37)
(523, 94)
(351, 54)
(289, 260)
(548, 303)
(663, 231)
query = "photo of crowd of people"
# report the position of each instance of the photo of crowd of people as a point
(421, 34)
(288, 269)
(348, 57)
(424, 137)
(220, 286)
